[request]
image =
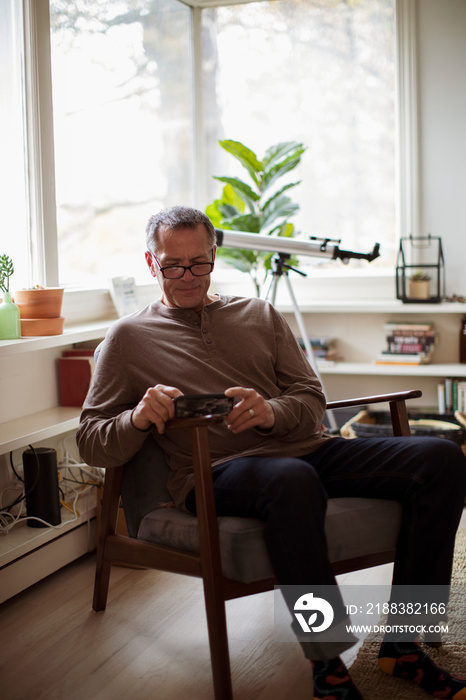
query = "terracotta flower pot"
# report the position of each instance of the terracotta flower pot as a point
(42, 326)
(419, 289)
(40, 303)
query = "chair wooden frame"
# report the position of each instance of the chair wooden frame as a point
(114, 548)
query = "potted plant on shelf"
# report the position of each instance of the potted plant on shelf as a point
(259, 207)
(419, 285)
(10, 327)
(40, 310)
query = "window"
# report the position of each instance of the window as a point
(121, 79)
(320, 73)
(14, 206)
(124, 116)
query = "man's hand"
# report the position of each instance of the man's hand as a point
(251, 411)
(156, 407)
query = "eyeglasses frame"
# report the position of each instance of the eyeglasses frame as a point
(184, 267)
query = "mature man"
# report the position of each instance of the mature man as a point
(271, 457)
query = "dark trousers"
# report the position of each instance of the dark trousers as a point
(426, 475)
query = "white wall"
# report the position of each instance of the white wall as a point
(442, 94)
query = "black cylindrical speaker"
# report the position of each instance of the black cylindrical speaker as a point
(41, 486)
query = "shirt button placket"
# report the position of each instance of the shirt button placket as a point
(208, 340)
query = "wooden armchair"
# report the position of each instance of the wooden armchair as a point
(227, 553)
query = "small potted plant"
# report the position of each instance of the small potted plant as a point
(10, 327)
(419, 285)
(40, 309)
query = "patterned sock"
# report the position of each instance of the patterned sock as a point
(406, 659)
(332, 681)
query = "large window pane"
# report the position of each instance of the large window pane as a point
(318, 72)
(122, 119)
(13, 200)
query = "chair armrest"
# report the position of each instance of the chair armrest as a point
(378, 398)
(397, 404)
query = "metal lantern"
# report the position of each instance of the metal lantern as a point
(420, 273)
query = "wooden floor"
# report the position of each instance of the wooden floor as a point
(151, 642)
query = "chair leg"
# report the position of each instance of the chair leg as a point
(211, 565)
(101, 584)
(218, 642)
(108, 520)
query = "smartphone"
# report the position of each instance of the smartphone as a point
(196, 405)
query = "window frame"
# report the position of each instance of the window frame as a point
(43, 244)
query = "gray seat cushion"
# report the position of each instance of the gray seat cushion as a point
(354, 526)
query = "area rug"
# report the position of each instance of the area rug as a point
(373, 684)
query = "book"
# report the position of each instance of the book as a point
(408, 348)
(448, 395)
(441, 397)
(75, 375)
(403, 335)
(396, 325)
(461, 397)
(79, 352)
(388, 358)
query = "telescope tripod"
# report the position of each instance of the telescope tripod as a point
(280, 270)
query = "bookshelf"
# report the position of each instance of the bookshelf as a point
(439, 370)
(33, 415)
(71, 334)
(358, 329)
(38, 426)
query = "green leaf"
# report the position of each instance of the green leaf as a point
(240, 187)
(278, 193)
(6, 270)
(281, 207)
(229, 196)
(278, 170)
(228, 212)
(279, 151)
(213, 212)
(243, 260)
(286, 230)
(246, 157)
(246, 222)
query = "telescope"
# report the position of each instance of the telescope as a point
(283, 248)
(319, 247)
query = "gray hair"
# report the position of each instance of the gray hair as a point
(177, 218)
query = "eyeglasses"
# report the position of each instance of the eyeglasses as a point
(173, 272)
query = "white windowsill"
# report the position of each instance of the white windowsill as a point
(72, 334)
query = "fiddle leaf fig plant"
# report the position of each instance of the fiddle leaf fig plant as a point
(6, 271)
(258, 206)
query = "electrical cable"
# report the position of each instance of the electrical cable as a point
(13, 468)
(88, 481)
(36, 479)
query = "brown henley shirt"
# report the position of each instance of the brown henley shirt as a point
(234, 342)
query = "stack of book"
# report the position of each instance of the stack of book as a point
(408, 344)
(323, 349)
